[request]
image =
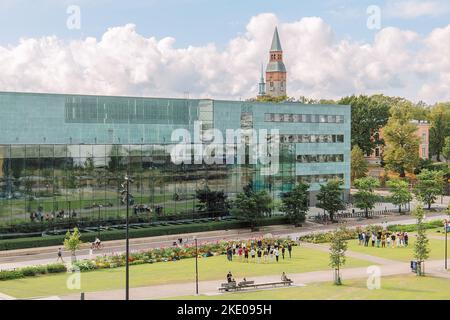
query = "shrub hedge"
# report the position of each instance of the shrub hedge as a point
(35, 242)
(32, 271)
(412, 227)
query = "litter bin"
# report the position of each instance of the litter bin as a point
(414, 266)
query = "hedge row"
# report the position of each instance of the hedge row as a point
(412, 227)
(32, 271)
(34, 242)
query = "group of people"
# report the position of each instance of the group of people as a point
(39, 216)
(383, 239)
(256, 251)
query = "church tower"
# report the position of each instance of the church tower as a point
(276, 70)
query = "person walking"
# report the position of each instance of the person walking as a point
(289, 247)
(246, 254)
(60, 256)
(276, 252)
(253, 254)
(373, 239)
(383, 240)
(406, 239)
(283, 250)
(393, 239)
(266, 255)
(259, 254)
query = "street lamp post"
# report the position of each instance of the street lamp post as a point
(126, 197)
(196, 265)
(446, 233)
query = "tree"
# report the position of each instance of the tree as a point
(440, 128)
(72, 242)
(212, 202)
(446, 149)
(402, 144)
(359, 165)
(295, 203)
(338, 247)
(365, 198)
(429, 185)
(330, 197)
(369, 115)
(400, 194)
(421, 246)
(252, 207)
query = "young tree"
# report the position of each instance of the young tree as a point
(338, 248)
(429, 185)
(72, 242)
(252, 207)
(402, 144)
(329, 197)
(400, 194)
(295, 203)
(440, 128)
(365, 199)
(359, 165)
(421, 246)
(446, 149)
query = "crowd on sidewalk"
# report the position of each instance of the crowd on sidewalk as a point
(383, 239)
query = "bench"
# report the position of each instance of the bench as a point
(252, 284)
(228, 286)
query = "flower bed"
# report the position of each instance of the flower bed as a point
(142, 257)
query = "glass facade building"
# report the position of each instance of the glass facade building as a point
(68, 154)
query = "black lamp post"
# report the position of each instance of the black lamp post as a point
(196, 265)
(126, 198)
(446, 233)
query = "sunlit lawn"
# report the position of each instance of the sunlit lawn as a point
(409, 287)
(400, 253)
(304, 260)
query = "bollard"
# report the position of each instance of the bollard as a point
(82, 296)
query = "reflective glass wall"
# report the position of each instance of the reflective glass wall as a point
(48, 182)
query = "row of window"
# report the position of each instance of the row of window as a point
(318, 158)
(319, 178)
(303, 118)
(308, 138)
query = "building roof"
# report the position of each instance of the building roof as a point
(276, 44)
(276, 66)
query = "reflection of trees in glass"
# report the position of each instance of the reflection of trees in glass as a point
(115, 162)
(212, 202)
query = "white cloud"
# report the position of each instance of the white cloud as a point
(123, 62)
(409, 9)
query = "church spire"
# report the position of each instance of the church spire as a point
(276, 44)
(262, 83)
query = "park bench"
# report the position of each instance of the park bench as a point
(228, 286)
(252, 284)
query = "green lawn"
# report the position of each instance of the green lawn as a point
(304, 260)
(408, 287)
(400, 253)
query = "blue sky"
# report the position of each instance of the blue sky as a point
(214, 49)
(193, 22)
